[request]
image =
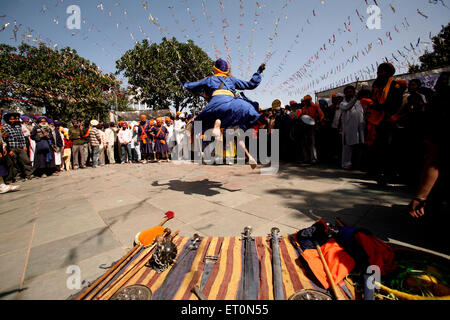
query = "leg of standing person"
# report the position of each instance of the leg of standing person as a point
(110, 153)
(24, 163)
(102, 155)
(123, 153)
(130, 156)
(95, 156)
(67, 156)
(347, 156)
(11, 165)
(314, 158)
(76, 149)
(138, 153)
(84, 155)
(303, 147)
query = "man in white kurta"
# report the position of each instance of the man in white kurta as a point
(181, 147)
(352, 119)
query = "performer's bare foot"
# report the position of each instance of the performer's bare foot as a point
(252, 162)
(216, 131)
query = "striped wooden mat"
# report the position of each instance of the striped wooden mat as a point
(226, 277)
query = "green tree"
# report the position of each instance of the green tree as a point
(440, 56)
(66, 84)
(156, 72)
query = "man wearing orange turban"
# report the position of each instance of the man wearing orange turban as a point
(308, 145)
(387, 98)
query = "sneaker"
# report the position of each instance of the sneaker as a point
(4, 188)
(44, 176)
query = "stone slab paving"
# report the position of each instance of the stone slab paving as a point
(88, 218)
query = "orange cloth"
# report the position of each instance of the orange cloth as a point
(339, 262)
(148, 236)
(220, 73)
(379, 95)
(380, 253)
(87, 133)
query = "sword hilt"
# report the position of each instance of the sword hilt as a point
(274, 234)
(195, 242)
(246, 235)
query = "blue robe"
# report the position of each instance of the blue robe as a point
(146, 148)
(229, 110)
(160, 139)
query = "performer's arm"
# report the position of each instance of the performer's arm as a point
(249, 85)
(197, 86)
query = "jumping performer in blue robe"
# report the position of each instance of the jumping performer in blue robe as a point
(224, 109)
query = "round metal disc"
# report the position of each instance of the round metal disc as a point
(308, 120)
(310, 294)
(134, 292)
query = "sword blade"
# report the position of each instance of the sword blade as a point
(192, 247)
(250, 289)
(206, 272)
(276, 267)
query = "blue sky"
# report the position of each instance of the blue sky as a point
(286, 34)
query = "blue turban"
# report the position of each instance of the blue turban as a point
(222, 65)
(323, 102)
(49, 120)
(39, 119)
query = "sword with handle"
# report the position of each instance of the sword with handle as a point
(195, 243)
(250, 289)
(276, 265)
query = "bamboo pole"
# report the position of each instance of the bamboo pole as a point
(135, 267)
(123, 278)
(112, 272)
(327, 271)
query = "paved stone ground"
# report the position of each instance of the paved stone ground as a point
(89, 217)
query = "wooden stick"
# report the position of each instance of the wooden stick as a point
(327, 270)
(116, 267)
(175, 234)
(168, 217)
(107, 294)
(340, 222)
(116, 270)
(130, 273)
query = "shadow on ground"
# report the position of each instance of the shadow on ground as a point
(381, 210)
(204, 187)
